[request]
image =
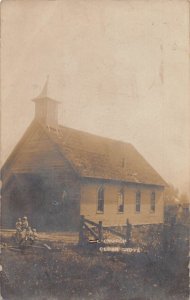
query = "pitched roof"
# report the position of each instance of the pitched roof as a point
(98, 157)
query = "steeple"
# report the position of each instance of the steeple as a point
(44, 91)
(46, 109)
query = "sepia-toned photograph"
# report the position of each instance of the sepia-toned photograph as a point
(95, 150)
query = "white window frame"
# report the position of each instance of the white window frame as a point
(138, 194)
(121, 201)
(154, 204)
(100, 190)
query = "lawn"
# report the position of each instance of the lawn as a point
(70, 272)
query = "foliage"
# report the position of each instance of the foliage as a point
(171, 194)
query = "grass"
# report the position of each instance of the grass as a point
(82, 273)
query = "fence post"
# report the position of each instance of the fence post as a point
(81, 230)
(100, 231)
(172, 234)
(128, 232)
(165, 237)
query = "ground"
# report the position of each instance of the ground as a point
(71, 272)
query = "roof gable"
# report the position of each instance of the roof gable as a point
(34, 153)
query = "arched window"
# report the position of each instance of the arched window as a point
(153, 202)
(121, 201)
(100, 206)
(138, 201)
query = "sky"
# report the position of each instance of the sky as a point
(119, 68)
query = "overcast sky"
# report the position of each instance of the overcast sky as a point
(120, 69)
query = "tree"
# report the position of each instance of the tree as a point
(171, 195)
(184, 198)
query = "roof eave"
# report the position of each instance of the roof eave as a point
(123, 180)
(38, 99)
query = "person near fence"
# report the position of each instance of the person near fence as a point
(18, 224)
(18, 228)
(24, 223)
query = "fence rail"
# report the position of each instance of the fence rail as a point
(97, 231)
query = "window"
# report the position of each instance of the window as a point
(138, 201)
(121, 201)
(100, 206)
(153, 202)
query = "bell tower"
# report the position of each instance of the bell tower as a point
(46, 109)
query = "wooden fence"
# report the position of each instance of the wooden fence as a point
(97, 231)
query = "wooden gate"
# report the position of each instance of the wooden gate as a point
(92, 232)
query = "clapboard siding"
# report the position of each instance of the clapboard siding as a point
(38, 152)
(46, 186)
(38, 162)
(111, 216)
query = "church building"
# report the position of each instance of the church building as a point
(56, 173)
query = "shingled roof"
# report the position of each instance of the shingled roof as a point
(98, 157)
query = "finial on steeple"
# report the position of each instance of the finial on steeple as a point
(46, 109)
(44, 91)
